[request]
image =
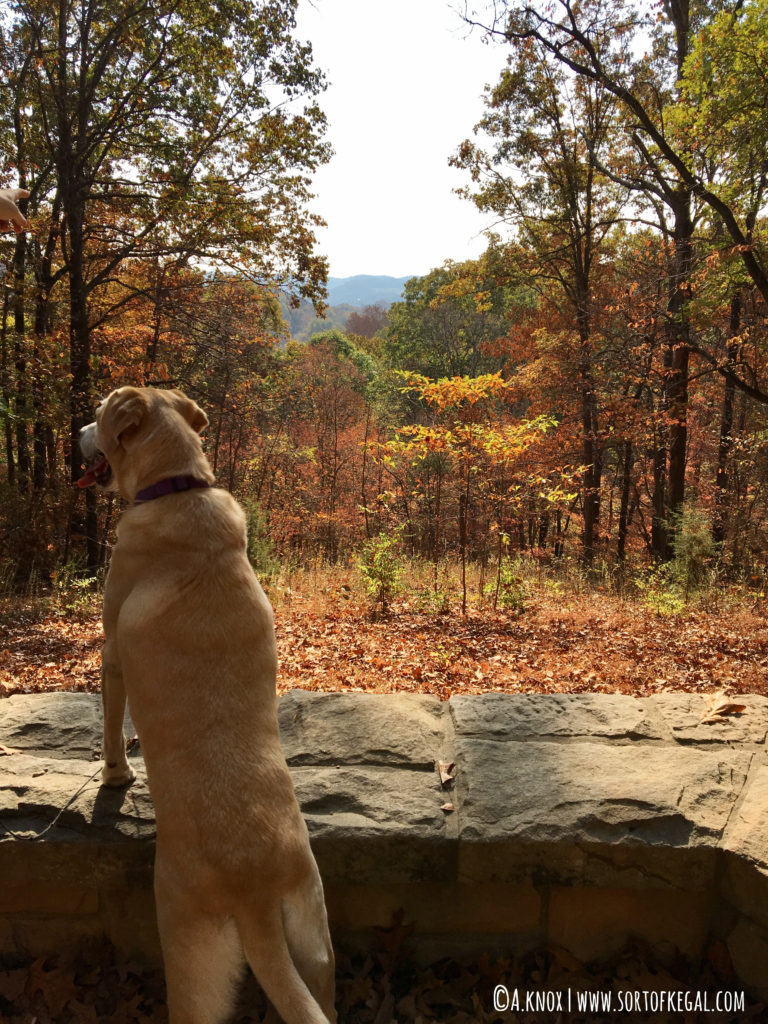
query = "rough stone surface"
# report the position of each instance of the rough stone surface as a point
(353, 728)
(566, 716)
(567, 807)
(375, 825)
(597, 793)
(683, 714)
(63, 725)
(747, 832)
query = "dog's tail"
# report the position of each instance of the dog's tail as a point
(266, 949)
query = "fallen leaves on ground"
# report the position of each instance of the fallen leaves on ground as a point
(383, 985)
(600, 645)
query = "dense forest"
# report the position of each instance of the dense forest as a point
(594, 386)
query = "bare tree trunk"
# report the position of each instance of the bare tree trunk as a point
(23, 463)
(43, 465)
(10, 456)
(591, 450)
(626, 489)
(725, 444)
(677, 380)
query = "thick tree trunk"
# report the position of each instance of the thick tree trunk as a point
(81, 404)
(10, 455)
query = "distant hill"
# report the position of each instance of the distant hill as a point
(365, 290)
(304, 322)
(345, 296)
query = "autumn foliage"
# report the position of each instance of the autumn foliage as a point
(591, 391)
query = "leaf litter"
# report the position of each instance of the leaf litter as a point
(599, 645)
(382, 985)
(603, 647)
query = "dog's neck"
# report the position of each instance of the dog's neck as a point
(169, 485)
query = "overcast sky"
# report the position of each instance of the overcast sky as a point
(406, 85)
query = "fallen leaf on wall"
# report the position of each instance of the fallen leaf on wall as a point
(719, 706)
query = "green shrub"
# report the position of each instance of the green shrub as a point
(261, 551)
(75, 595)
(381, 568)
(694, 550)
(508, 589)
(668, 587)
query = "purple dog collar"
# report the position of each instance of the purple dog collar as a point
(171, 485)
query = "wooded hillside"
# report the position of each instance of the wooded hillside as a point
(594, 387)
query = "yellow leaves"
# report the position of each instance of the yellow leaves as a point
(456, 391)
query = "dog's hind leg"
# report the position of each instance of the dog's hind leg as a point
(203, 963)
(309, 941)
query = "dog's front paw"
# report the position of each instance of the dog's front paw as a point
(117, 775)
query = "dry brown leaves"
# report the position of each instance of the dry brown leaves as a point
(598, 646)
(377, 987)
(49, 653)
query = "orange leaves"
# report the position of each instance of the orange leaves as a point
(597, 645)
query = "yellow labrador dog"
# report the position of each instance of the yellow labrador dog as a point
(189, 638)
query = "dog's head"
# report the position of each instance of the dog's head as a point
(140, 432)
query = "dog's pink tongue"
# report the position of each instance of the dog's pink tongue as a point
(91, 475)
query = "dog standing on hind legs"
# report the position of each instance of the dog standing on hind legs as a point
(189, 641)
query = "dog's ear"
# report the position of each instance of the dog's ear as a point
(190, 410)
(122, 414)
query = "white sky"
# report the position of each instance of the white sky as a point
(405, 88)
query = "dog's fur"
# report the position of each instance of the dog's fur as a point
(189, 638)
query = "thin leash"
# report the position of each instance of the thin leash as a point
(34, 837)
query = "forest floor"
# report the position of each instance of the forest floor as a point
(559, 636)
(558, 639)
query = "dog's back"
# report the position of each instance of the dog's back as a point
(189, 637)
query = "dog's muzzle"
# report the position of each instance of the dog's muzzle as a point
(97, 469)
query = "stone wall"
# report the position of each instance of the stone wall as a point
(583, 821)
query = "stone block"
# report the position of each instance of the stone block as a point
(358, 728)
(54, 936)
(595, 924)
(35, 791)
(70, 864)
(683, 713)
(437, 908)
(748, 945)
(744, 886)
(556, 715)
(130, 923)
(586, 864)
(67, 725)
(747, 831)
(375, 824)
(595, 793)
(47, 897)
